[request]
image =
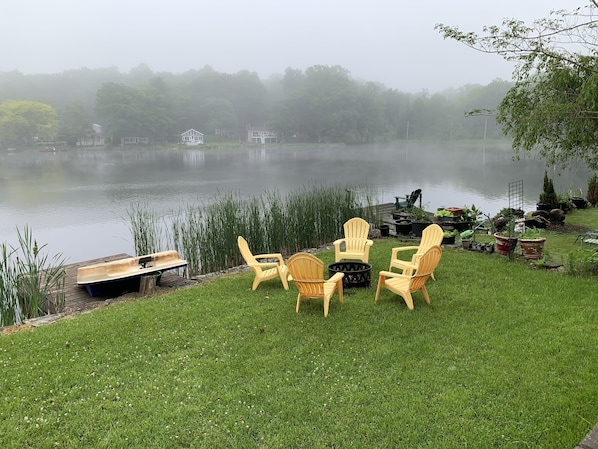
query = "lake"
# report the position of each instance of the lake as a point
(77, 201)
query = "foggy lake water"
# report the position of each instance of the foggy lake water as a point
(77, 202)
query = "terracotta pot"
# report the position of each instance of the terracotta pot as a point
(532, 248)
(505, 245)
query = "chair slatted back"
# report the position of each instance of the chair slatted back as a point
(308, 274)
(426, 266)
(356, 232)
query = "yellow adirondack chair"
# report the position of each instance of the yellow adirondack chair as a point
(403, 284)
(307, 272)
(264, 271)
(431, 236)
(356, 242)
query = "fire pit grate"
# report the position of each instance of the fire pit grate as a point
(357, 274)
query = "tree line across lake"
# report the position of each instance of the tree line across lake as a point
(322, 104)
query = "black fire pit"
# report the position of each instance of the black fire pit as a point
(357, 274)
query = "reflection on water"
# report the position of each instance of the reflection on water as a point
(77, 201)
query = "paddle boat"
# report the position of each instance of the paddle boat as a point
(122, 275)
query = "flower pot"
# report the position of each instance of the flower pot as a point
(579, 202)
(418, 226)
(403, 227)
(543, 206)
(456, 211)
(384, 230)
(532, 248)
(505, 245)
(448, 240)
(466, 243)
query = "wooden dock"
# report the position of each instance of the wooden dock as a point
(78, 299)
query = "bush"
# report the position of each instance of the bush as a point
(592, 195)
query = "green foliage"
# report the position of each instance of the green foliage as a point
(443, 213)
(582, 263)
(134, 112)
(551, 109)
(592, 195)
(75, 123)
(31, 282)
(207, 237)
(25, 122)
(531, 233)
(548, 195)
(146, 229)
(470, 214)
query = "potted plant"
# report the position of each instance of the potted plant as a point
(578, 200)
(420, 221)
(448, 237)
(548, 198)
(466, 238)
(443, 215)
(531, 242)
(564, 201)
(506, 241)
(467, 219)
(403, 226)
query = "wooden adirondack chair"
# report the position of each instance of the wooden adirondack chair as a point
(403, 284)
(356, 242)
(307, 272)
(264, 270)
(407, 202)
(431, 236)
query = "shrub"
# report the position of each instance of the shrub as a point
(592, 195)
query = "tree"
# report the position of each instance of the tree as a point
(74, 123)
(128, 111)
(552, 107)
(25, 122)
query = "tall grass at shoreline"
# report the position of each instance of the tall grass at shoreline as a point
(207, 236)
(31, 281)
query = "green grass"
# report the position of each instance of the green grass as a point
(505, 356)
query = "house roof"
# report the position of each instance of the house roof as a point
(192, 130)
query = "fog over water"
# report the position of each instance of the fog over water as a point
(78, 201)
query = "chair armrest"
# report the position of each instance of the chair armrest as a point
(402, 248)
(369, 242)
(338, 242)
(390, 274)
(271, 256)
(264, 264)
(337, 277)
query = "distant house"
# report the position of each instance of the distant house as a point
(261, 135)
(134, 141)
(192, 137)
(94, 138)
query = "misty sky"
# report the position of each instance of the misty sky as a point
(389, 41)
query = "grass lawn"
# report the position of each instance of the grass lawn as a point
(505, 357)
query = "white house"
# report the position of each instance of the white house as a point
(134, 141)
(192, 137)
(95, 138)
(261, 135)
